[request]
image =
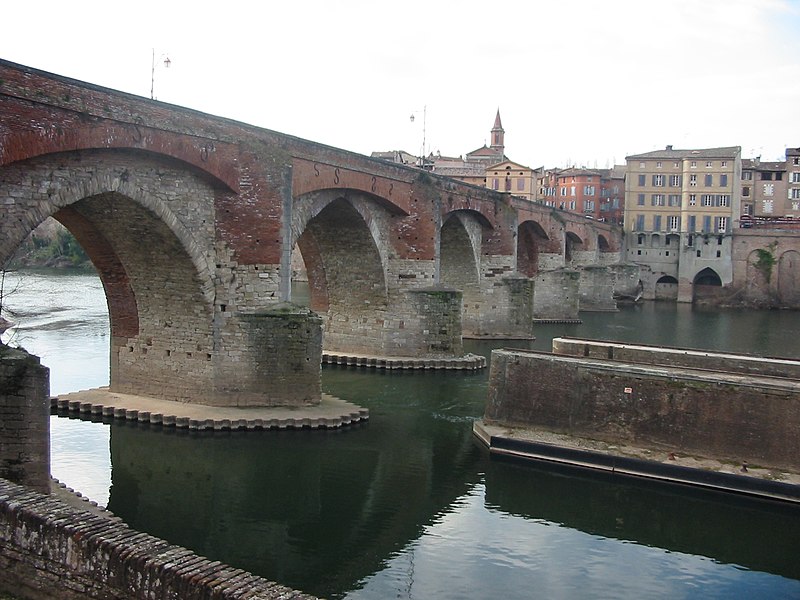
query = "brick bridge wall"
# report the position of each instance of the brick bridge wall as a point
(51, 550)
(191, 221)
(718, 415)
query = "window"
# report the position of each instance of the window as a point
(794, 193)
(520, 184)
(588, 190)
(722, 225)
(766, 207)
(707, 199)
(656, 222)
(640, 238)
(658, 164)
(766, 176)
(693, 164)
(641, 165)
(692, 226)
(677, 164)
(709, 164)
(769, 189)
(796, 160)
(745, 191)
(778, 176)
(796, 177)
(747, 175)
(723, 200)
(692, 180)
(658, 180)
(657, 200)
(747, 209)
(563, 191)
(508, 184)
(572, 204)
(795, 206)
(673, 224)
(639, 222)
(706, 224)
(674, 199)
(724, 163)
(572, 190)
(675, 181)
(723, 180)
(642, 180)
(588, 206)
(692, 199)
(709, 180)
(640, 200)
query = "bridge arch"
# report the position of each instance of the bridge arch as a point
(157, 276)
(460, 240)
(531, 240)
(789, 278)
(666, 288)
(572, 244)
(340, 241)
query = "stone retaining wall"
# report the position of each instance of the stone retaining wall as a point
(24, 419)
(719, 415)
(679, 357)
(51, 550)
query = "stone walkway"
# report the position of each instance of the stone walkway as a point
(528, 443)
(329, 414)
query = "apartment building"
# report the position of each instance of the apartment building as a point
(764, 188)
(595, 193)
(793, 182)
(680, 209)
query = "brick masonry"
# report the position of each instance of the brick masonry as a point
(719, 415)
(51, 550)
(191, 221)
(24, 419)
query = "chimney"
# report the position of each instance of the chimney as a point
(669, 146)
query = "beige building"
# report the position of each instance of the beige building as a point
(680, 209)
(511, 177)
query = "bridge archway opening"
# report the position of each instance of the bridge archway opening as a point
(707, 285)
(789, 279)
(572, 244)
(602, 243)
(531, 240)
(666, 288)
(346, 279)
(460, 247)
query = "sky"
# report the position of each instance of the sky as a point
(577, 82)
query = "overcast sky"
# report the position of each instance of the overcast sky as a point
(576, 81)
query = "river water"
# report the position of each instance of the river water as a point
(409, 505)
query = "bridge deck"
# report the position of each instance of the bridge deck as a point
(331, 413)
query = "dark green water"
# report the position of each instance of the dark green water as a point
(409, 505)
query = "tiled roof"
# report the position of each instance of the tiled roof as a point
(668, 153)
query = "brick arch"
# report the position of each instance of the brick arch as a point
(572, 243)
(788, 272)
(756, 281)
(459, 264)
(532, 239)
(346, 274)
(84, 175)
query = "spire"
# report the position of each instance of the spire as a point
(498, 143)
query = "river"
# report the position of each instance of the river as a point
(409, 505)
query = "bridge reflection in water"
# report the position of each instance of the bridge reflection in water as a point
(411, 506)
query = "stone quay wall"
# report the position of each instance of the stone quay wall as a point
(51, 550)
(679, 357)
(556, 295)
(24, 419)
(725, 416)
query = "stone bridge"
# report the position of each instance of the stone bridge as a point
(191, 221)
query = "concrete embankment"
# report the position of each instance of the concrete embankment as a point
(725, 430)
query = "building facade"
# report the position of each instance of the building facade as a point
(680, 210)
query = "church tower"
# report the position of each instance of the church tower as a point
(498, 133)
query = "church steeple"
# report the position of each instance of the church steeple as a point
(498, 133)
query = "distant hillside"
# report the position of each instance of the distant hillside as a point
(50, 245)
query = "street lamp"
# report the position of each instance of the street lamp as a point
(424, 123)
(166, 61)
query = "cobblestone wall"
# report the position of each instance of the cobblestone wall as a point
(50, 550)
(24, 419)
